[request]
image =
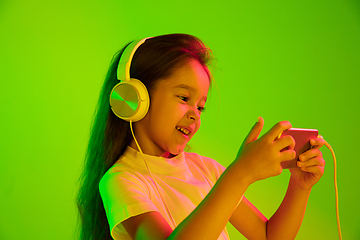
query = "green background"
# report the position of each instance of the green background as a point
(282, 60)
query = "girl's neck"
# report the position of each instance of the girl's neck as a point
(152, 152)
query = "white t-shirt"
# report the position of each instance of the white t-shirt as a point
(127, 188)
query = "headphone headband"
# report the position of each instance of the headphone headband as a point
(123, 71)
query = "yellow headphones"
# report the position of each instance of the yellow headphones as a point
(129, 99)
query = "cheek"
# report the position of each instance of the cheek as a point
(197, 126)
(161, 120)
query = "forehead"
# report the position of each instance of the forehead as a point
(190, 76)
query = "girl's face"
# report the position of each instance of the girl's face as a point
(175, 108)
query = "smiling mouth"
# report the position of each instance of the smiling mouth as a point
(183, 130)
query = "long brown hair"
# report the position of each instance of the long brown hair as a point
(154, 60)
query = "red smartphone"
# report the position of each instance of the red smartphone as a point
(302, 139)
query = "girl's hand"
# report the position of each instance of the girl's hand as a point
(261, 158)
(310, 165)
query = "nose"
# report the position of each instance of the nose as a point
(194, 115)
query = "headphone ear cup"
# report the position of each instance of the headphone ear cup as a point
(129, 100)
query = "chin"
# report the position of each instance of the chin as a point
(177, 150)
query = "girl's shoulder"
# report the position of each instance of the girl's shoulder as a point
(206, 164)
(123, 168)
(121, 177)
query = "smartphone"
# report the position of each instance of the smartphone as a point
(302, 139)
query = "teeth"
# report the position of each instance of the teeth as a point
(183, 130)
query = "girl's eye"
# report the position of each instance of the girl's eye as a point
(201, 109)
(185, 99)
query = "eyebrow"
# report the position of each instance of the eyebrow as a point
(186, 87)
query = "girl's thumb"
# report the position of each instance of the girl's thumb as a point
(255, 131)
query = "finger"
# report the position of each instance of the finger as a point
(314, 169)
(285, 142)
(317, 142)
(312, 165)
(278, 128)
(311, 153)
(287, 155)
(255, 131)
(317, 161)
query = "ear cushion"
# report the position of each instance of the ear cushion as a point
(129, 100)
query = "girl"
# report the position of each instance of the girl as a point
(142, 185)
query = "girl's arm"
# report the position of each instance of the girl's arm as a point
(257, 159)
(284, 224)
(286, 221)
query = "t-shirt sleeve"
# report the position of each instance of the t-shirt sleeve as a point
(124, 195)
(215, 169)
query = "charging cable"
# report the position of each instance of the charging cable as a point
(336, 188)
